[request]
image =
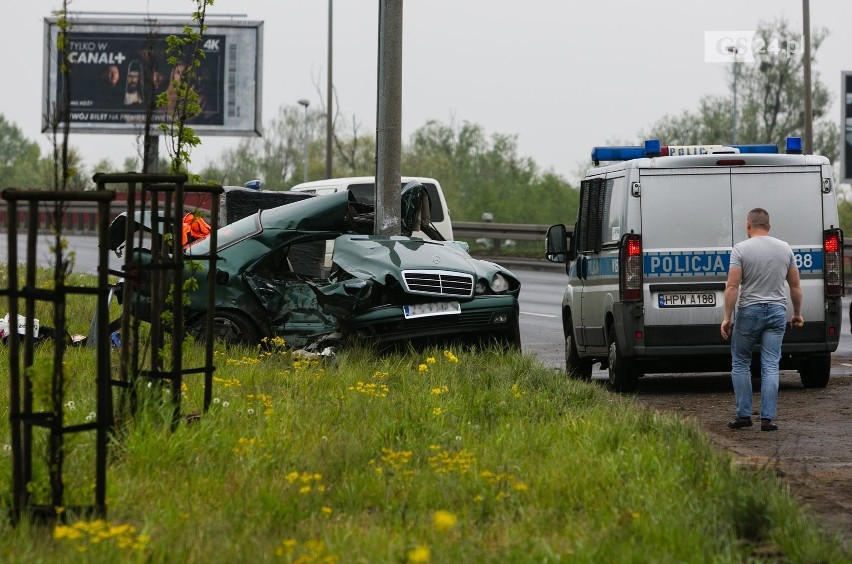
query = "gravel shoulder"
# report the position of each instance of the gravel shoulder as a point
(812, 449)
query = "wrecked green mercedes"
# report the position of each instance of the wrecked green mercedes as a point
(272, 280)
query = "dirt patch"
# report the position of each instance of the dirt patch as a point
(811, 450)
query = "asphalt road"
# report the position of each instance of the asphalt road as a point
(85, 248)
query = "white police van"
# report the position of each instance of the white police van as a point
(647, 259)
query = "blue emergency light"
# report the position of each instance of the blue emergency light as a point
(794, 146)
(616, 153)
(653, 148)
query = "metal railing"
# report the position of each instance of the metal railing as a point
(488, 230)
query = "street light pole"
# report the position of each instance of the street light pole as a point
(306, 103)
(734, 51)
(809, 112)
(328, 110)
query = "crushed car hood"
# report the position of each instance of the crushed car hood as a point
(374, 262)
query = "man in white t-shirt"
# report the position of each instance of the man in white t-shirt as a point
(759, 267)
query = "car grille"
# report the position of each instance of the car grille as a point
(438, 283)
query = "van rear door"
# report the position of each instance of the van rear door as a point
(793, 197)
(687, 235)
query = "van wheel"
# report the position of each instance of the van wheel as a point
(575, 367)
(816, 370)
(623, 373)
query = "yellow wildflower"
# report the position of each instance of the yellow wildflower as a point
(419, 554)
(422, 368)
(443, 520)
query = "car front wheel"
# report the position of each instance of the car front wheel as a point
(229, 327)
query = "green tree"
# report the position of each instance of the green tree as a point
(277, 158)
(19, 158)
(479, 173)
(486, 174)
(770, 100)
(181, 100)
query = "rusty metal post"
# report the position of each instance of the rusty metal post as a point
(19, 490)
(22, 415)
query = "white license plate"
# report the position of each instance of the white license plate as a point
(686, 299)
(436, 308)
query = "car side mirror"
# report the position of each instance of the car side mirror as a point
(557, 248)
(222, 277)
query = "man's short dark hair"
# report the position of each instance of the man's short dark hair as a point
(759, 218)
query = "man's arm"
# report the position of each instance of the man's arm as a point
(732, 292)
(795, 296)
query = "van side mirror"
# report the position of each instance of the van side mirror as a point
(557, 247)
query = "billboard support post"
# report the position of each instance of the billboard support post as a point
(152, 154)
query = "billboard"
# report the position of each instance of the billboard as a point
(846, 125)
(118, 67)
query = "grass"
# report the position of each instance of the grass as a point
(447, 456)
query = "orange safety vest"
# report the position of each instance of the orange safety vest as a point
(194, 228)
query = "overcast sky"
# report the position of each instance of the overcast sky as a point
(561, 75)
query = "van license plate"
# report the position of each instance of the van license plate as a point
(436, 308)
(687, 299)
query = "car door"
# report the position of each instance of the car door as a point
(281, 281)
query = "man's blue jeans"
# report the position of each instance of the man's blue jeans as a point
(761, 324)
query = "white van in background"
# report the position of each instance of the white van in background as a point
(363, 187)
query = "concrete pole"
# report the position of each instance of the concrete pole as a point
(329, 155)
(809, 113)
(306, 103)
(389, 119)
(734, 51)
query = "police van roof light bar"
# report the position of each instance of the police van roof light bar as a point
(616, 154)
(653, 148)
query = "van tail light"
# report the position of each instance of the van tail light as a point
(832, 246)
(630, 268)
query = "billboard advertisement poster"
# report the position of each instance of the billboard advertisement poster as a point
(846, 125)
(120, 73)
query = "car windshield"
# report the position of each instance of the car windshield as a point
(366, 193)
(228, 235)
